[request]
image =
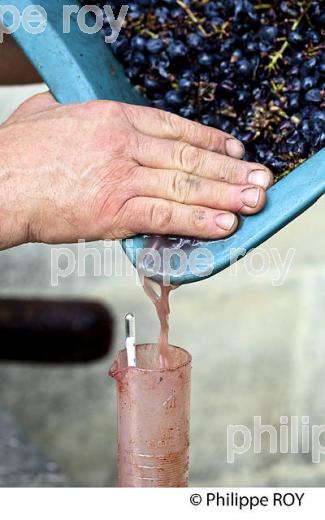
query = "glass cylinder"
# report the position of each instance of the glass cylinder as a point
(153, 407)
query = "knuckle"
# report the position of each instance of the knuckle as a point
(190, 131)
(214, 140)
(211, 139)
(173, 122)
(198, 220)
(224, 195)
(122, 143)
(228, 169)
(218, 140)
(181, 187)
(161, 216)
(186, 130)
(117, 143)
(130, 113)
(103, 107)
(190, 158)
(92, 106)
(113, 108)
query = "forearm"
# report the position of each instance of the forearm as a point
(15, 68)
(14, 211)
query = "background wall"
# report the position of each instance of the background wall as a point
(258, 349)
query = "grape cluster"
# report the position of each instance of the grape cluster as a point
(253, 68)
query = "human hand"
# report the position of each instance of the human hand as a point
(104, 169)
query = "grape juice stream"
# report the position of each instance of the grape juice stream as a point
(159, 292)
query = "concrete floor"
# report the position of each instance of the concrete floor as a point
(22, 463)
(258, 350)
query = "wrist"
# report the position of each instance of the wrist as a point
(15, 204)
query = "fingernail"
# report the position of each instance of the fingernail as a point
(234, 148)
(225, 220)
(250, 197)
(260, 178)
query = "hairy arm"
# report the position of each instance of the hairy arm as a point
(15, 69)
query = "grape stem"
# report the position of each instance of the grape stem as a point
(262, 6)
(192, 16)
(278, 55)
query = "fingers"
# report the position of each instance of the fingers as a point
(165, 125)
(173, 155)
(150, 215)
(191, 189)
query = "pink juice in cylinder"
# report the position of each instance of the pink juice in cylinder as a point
(153, 406)
(153, 400)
